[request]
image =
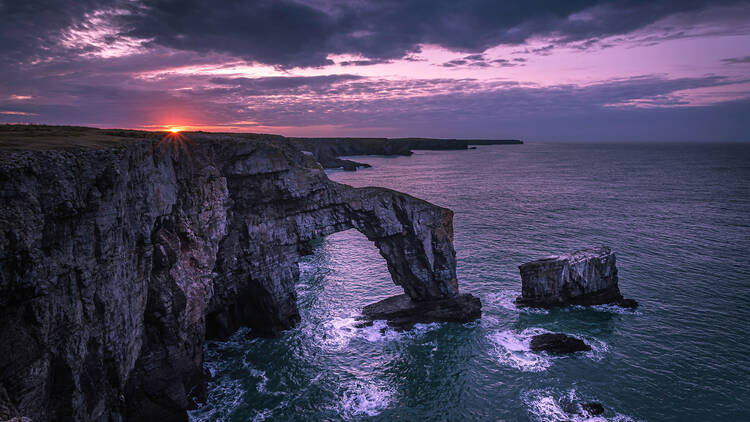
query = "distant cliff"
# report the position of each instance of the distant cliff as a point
(121, 252)
(328, 150)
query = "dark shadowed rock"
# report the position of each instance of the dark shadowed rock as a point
(585, 277)
(402, 312)
(119, 258)
(558, 343)
(592, 408)
(627, 303)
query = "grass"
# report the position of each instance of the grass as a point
(25, 137)
(16, 137)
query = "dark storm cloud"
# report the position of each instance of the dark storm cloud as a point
(28, 27)
(737, 60)
(303, 33)
(295, 34)
(364, 62)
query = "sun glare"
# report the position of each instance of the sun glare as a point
(174, 130)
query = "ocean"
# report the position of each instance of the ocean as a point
(676, 215)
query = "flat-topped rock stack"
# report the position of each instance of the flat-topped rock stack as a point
(585, 277)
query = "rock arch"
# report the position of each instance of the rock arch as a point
(414, 237)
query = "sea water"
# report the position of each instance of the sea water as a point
(678, 218)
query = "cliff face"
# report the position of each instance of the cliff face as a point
(117, 263)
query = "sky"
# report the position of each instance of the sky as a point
(540, 70)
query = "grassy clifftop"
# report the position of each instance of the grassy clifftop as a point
(43, 137)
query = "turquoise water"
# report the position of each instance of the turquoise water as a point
(676, 215)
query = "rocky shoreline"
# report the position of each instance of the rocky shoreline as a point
(122, 251)
(328, 150)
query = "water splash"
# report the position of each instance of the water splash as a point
(364, 398)
(340, 331)
(514, 350)
(505, 299)
(555, 406)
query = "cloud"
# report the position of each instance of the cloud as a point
(304, 33)
(479, 60)
(281, 85)
(737, 60)
(137, 63)
(364, 62)
(425, 107)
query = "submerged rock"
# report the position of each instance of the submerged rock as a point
(592, 408)
(402, 312)
(558, 343)
(585, 277)
(583, 409)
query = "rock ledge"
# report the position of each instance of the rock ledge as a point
(402, 313)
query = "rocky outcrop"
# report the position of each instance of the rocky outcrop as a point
(592, 409)
(117, 261)
(402, 313)
(585, 277)
(558, 343)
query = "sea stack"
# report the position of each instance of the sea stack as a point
(585, 277)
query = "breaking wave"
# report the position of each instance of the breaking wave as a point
(552, 406)
(363, 398)
(514, 349)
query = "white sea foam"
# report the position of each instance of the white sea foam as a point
(338, 332)
(262, 415)
(506, 299)
(223, 398)
(551, 406)
(599, 348)
(379, 331)
(514, 349)
(614, 309)
(261, 387)
(364, 398)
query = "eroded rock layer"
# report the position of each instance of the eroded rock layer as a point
(117, 262)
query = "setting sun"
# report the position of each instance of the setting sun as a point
(174, 130)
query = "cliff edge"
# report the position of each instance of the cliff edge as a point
(120, 256)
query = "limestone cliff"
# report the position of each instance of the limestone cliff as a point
(116, 262)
